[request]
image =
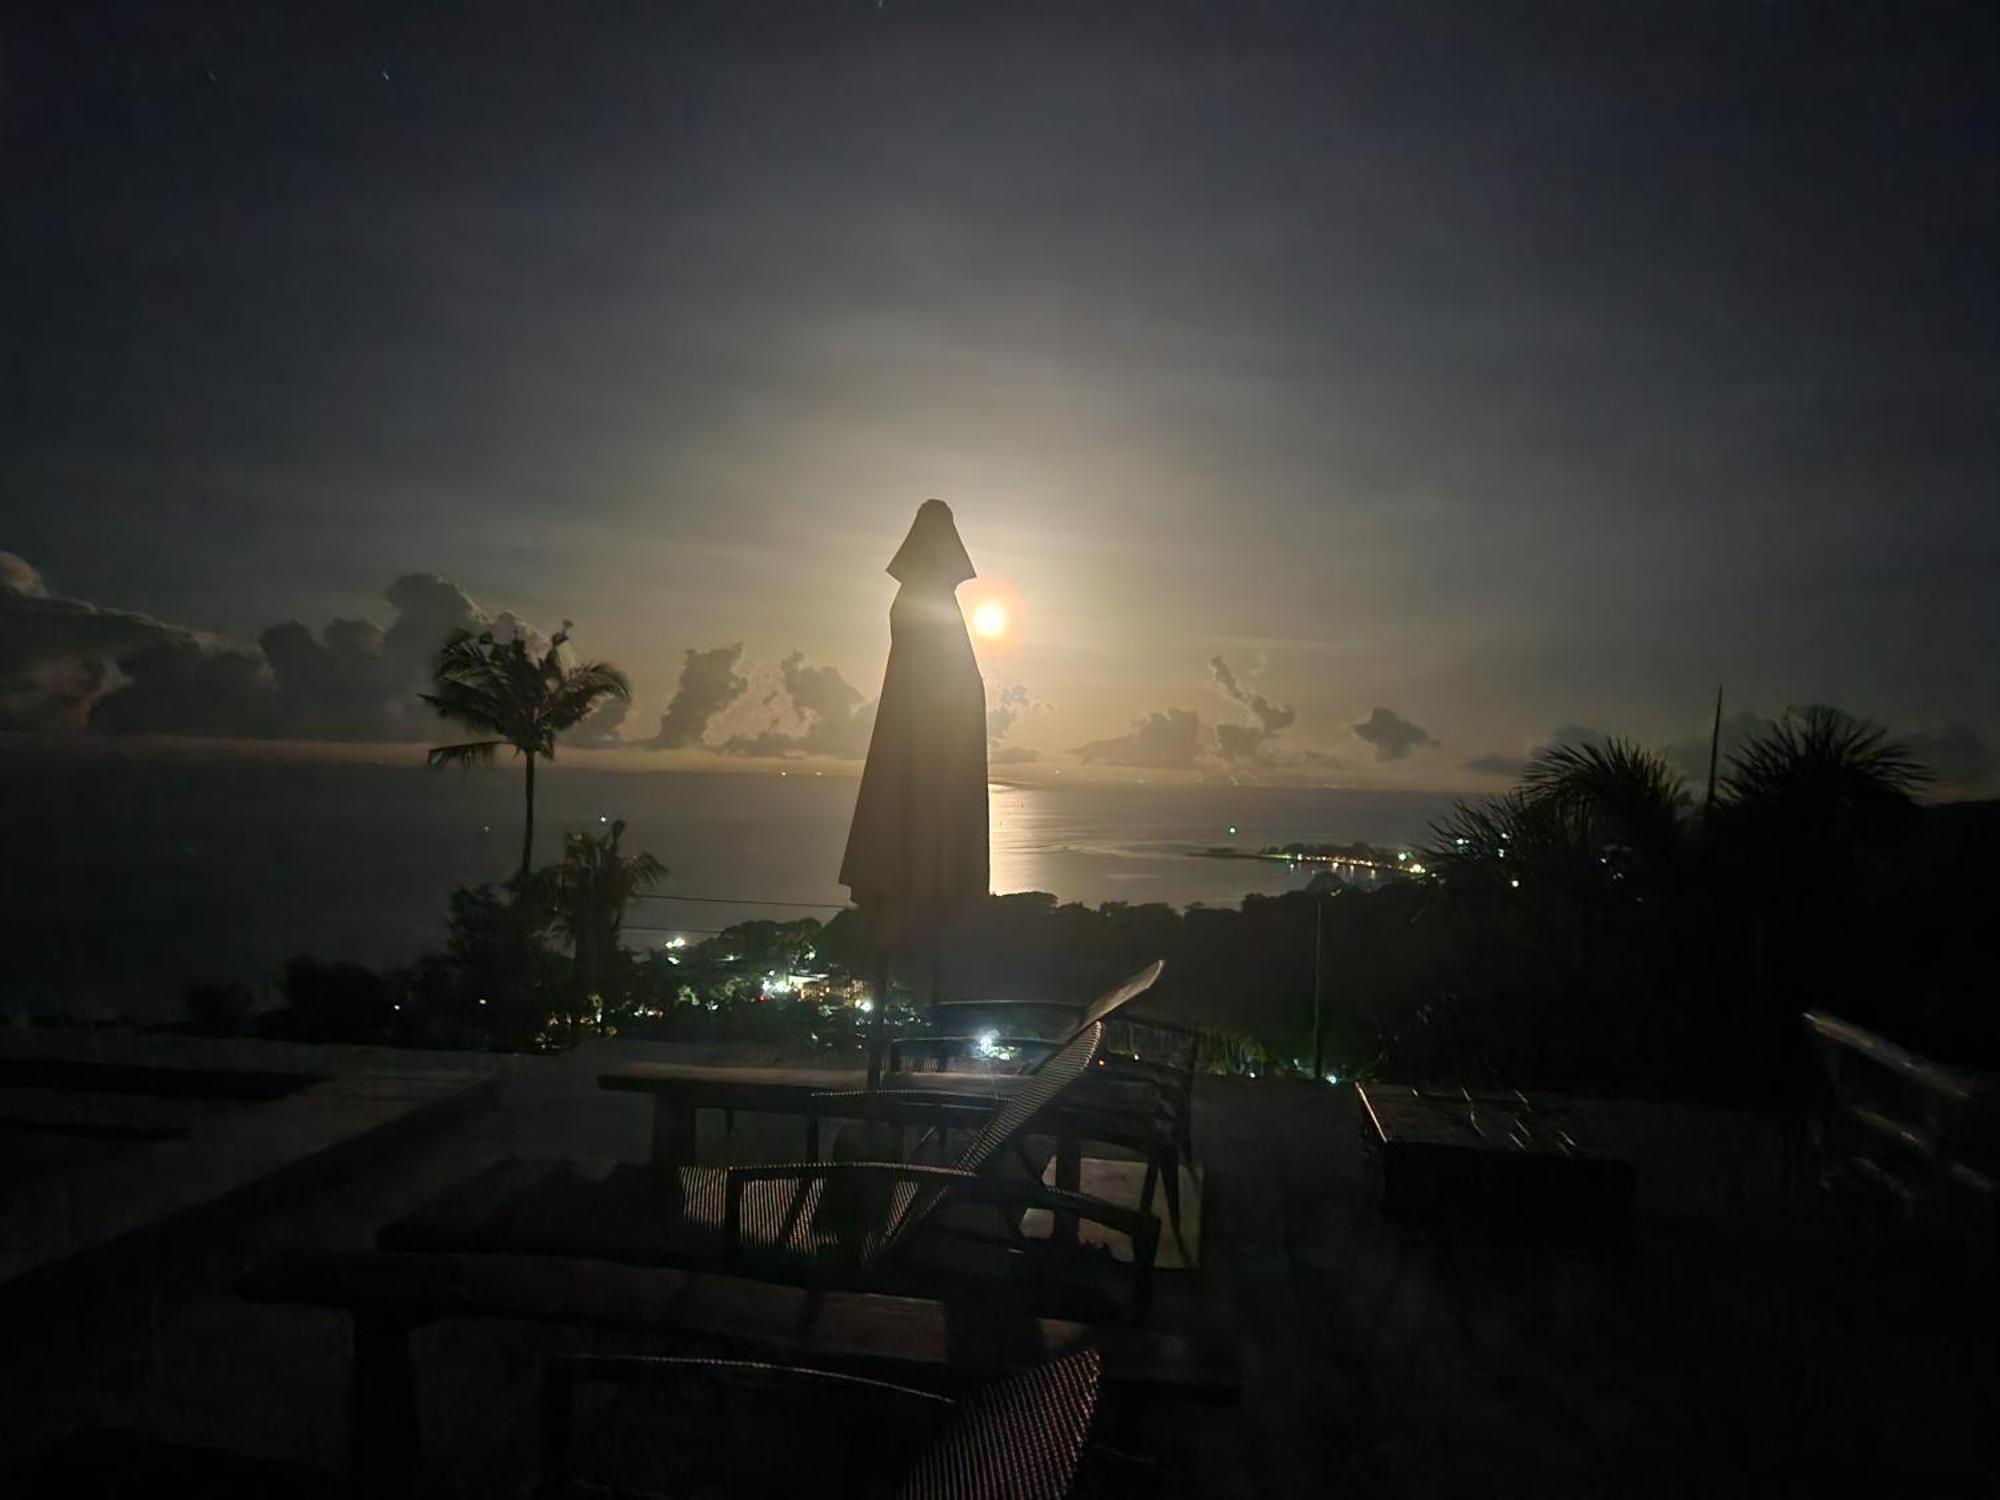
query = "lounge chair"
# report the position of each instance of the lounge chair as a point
(1142, 1097)
(866, 1225)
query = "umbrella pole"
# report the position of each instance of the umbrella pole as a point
(937, 964)
(878, 1022)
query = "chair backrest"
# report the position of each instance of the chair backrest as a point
(910, 1201)
(1132, 988)
(1020, 1437)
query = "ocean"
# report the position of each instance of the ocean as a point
(125, 878)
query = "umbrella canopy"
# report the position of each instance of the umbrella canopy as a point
(917, 849)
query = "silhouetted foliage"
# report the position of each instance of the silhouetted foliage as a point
(336, 1002)
(505, 690)
(218, 1009)
(588, 893)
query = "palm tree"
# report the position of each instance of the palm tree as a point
(1583, 814)
(591, 889)
(1818, 767)
(523, 700)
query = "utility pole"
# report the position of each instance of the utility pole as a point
(1714, 747)
(1319, 987)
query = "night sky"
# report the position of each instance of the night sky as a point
(1391, 387)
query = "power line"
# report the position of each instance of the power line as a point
(746, 901)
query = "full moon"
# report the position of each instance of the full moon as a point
(990, 620)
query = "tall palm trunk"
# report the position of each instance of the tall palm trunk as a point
(528, 831)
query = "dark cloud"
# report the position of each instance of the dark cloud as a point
(826, 715)
(1247, 741)
(1690, 756)
(181, 685)
(63, 661)
(600, 730)
(68, 665)
(1392, 735)
(1959, 759)
(18, 576)
(709, 684)
(1498, 763)
(1169, 741)
(355, 680)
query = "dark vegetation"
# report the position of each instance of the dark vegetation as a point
(1600, 928)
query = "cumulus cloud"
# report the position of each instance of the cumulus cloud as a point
(63, 660)
(822, 713)
(18, 576)
(600, 730)
(67, 665)
(1169, 741)
(1392, 735)
(709, 683)
(1010, 704)
(1247, 741)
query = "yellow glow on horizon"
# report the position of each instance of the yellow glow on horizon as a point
(989, 620)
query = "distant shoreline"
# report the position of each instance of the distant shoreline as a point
(1355, 856)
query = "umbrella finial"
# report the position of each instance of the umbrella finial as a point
(932, 552)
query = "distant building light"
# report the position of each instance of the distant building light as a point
(1514, 884)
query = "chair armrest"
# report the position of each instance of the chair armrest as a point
(735, 1179)
(1011, 1193)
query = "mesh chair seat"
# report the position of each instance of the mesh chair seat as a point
(1020, 1437)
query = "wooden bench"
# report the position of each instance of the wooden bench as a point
(945, 1346)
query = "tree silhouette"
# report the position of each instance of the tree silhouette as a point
(523, 700)
(590, 890)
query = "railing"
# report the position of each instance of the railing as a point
(1920, 1134)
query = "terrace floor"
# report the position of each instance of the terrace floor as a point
(1723, 1350)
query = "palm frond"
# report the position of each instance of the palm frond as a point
(1821, 755)
(475, 753)
(1616, 791)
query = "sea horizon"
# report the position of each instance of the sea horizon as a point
(162, 871)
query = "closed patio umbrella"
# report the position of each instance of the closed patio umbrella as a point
(917, 850)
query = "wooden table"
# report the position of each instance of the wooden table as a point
(681, 1091)
(1458, 1156)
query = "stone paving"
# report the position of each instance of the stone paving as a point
(1727, 1349)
